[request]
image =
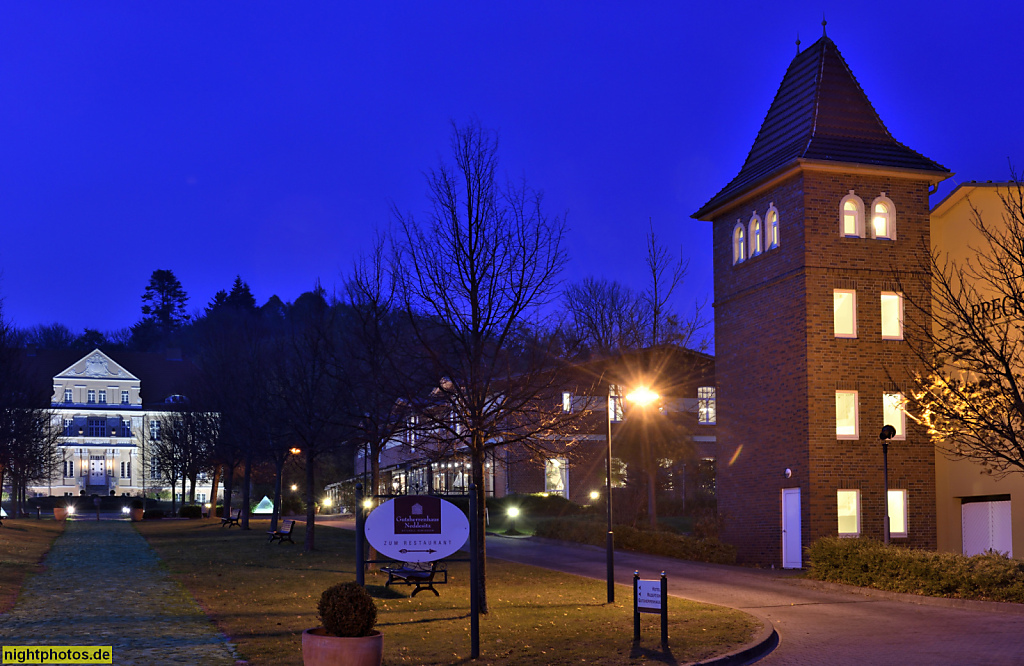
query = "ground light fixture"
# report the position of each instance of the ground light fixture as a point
(71, 510)
(513, 513)
(125, 510)
(327, 503)
(595, 495)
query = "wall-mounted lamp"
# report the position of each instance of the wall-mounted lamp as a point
(788, 472)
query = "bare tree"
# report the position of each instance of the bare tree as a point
(666, 324)
(472, 281)
(971, 395)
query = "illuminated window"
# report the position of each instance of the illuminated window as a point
(892, 315)
(883, 218)
(566, 401)
(851, 216)
(897, 513)
(846, 415)
(772, 220)
(739, 243)
(706, 405)
(614, 403)
(556, 476)
(844, 313)
(756, 236)
(893, 414)
(848, 505)
(154, 431)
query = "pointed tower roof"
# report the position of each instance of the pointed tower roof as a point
(819, 114)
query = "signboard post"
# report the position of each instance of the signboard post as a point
(650, 596)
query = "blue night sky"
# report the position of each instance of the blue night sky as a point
(269, 140)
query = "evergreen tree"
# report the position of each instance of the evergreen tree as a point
(164, 300)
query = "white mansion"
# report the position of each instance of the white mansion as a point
(108, 409)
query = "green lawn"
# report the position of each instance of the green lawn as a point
(23, 543)
(263, 596)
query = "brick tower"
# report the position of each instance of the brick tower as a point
(810, 335)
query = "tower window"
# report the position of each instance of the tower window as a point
(883, 218)
(739, 243)
(756, 236)
(846, 415)
(892, 315)
(772, 220)
(844, 313)
(851, 216)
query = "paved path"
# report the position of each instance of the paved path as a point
(831, 626)
(102, 585)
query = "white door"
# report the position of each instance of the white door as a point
(986, 526)
(97, 472)
(792, 555)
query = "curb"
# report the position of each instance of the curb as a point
(1002, 607)
(752, 652)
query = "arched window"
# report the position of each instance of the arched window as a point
(883, 218)
(772, 222)
(739, 243)
(756, 236)
(851, 216)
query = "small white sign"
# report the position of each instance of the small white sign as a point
(417, 528)
(648, 594)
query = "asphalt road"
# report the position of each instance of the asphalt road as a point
(816, 624)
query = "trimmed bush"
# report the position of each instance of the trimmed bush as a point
(153, 514)
(869, 563)
(347, 609)
(191, 511)
(667, 544)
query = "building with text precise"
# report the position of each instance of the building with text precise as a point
(811, 359)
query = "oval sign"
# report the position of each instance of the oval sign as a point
(417, 528)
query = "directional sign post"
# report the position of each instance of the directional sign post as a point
(650, 596)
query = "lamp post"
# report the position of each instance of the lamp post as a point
(888, 432)
(642, 396)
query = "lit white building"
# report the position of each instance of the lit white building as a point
(108, 409)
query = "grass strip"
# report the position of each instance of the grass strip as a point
(23, 545)
(263, 596)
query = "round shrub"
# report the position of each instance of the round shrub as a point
(153, 514)
(138, 504)
(191, 511)
(347, 609)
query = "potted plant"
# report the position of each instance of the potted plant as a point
(138, 509)
(347, 636)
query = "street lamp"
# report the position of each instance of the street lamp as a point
(642, 396)
(888, 432)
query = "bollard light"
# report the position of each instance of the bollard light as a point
(125, 509)
(71, 510)
(595, 495)
(326, 503)
(512, 513)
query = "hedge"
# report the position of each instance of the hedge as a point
(666, 544)
(870, 563)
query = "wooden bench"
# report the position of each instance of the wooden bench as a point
(283, 534)
(424, 575)
(232, 518)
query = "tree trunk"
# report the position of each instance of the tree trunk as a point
(310, 503)
(477, 459)
(246, 482)
(277, 492)
(229, 488)
(192, 489)
(652, 499)
(174, 496)
(213, 490)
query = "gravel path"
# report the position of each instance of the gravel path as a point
(103, 585)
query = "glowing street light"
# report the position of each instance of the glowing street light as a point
(595, 495)
(642, 396)
(295, 487)
(513, 513)
(367, 503)
(326, 503)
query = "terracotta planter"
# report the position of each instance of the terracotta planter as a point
(319, 649)
(137, 514)
(59, 513)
